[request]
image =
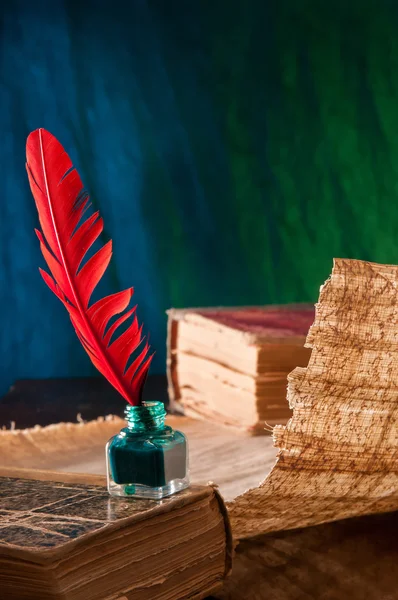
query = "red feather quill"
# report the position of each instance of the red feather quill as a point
(65, 239)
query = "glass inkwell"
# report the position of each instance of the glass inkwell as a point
(147, 458)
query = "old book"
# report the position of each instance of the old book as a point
(230, 365)
(62, 537)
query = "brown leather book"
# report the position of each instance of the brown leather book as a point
(231, 364)
(63, 537)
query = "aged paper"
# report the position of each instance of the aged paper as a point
(338, 453)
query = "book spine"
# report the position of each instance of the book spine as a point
(171, 359)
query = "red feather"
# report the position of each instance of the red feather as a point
(65, 239)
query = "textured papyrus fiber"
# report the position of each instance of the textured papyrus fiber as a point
(337, 455)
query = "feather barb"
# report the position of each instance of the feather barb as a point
(65, 238)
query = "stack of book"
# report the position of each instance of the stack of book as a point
(230, 365)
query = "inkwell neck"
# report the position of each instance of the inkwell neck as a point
(148, 416)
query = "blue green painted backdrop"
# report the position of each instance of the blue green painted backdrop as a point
(233, 148)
